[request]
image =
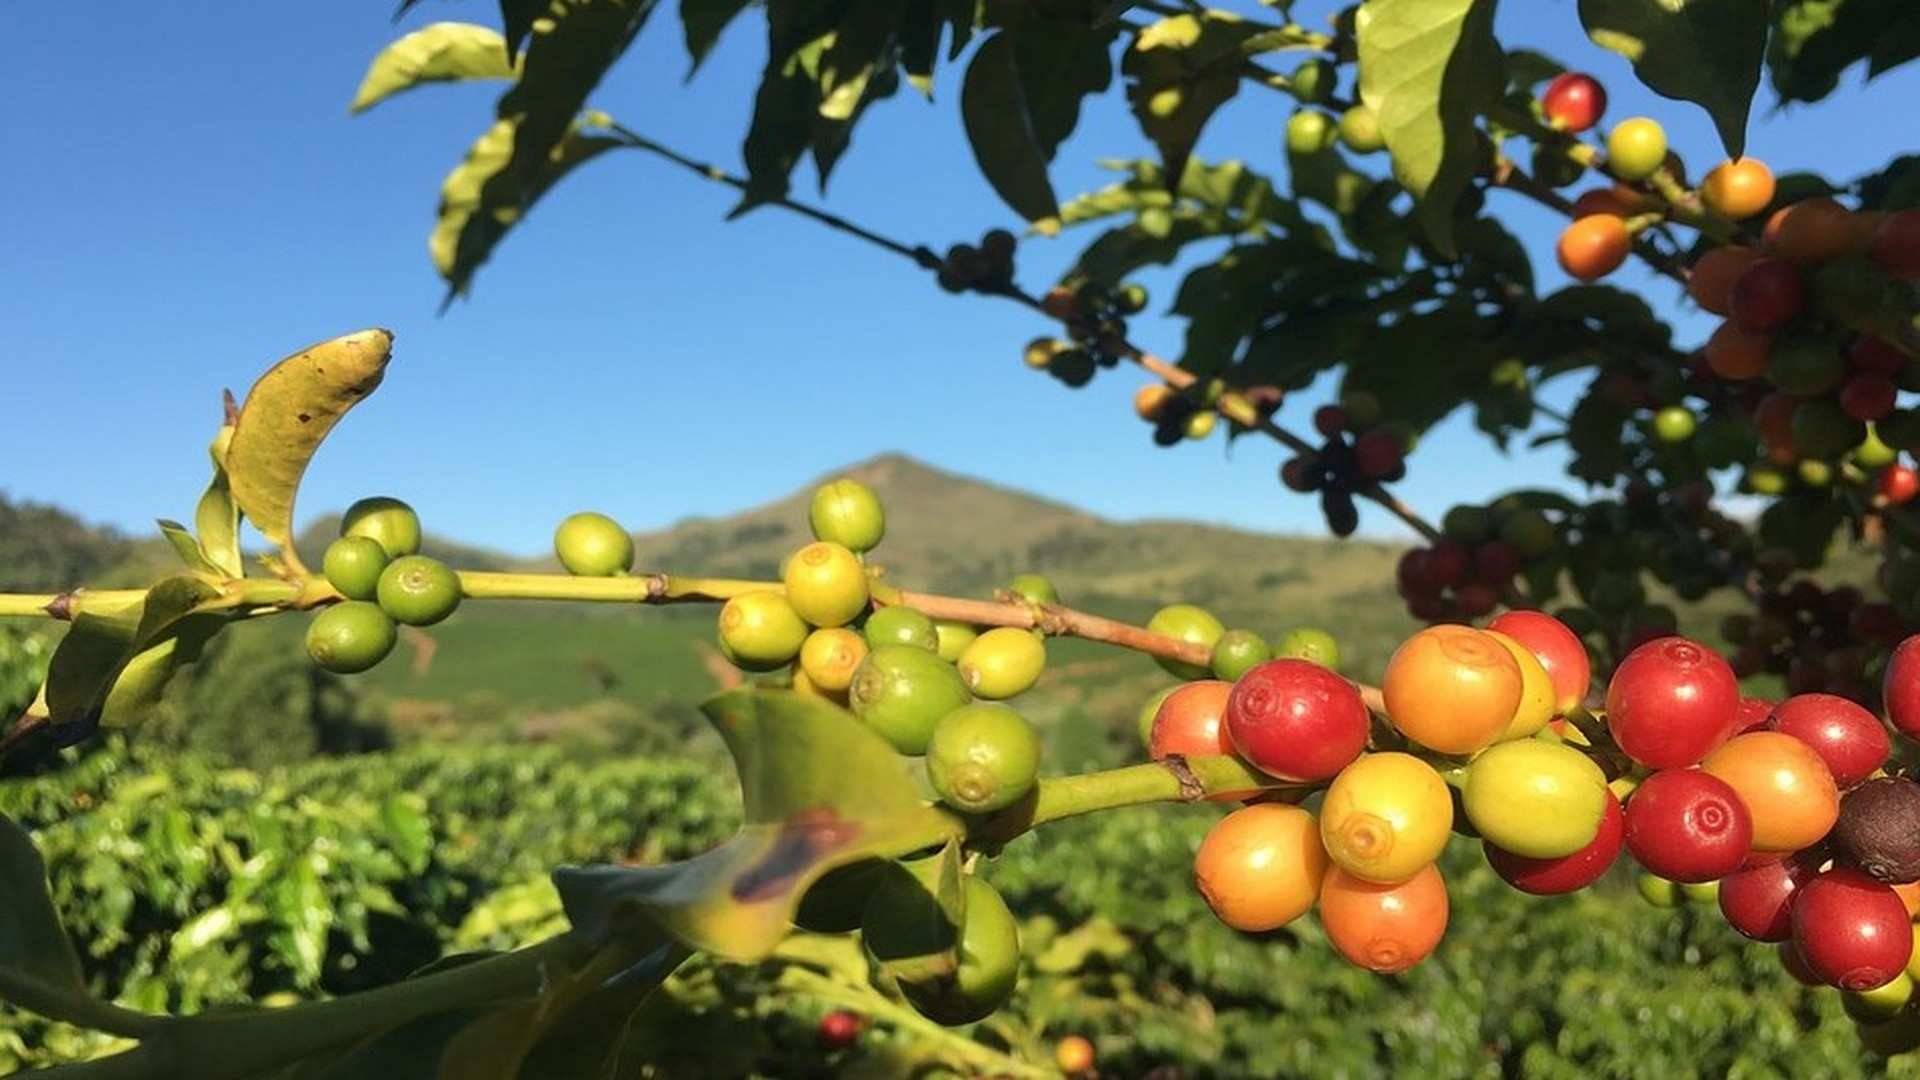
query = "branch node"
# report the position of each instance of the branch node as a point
(1191, 789)
(61, 607)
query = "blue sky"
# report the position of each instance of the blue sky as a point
(187, 200)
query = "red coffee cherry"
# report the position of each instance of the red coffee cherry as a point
(1568, 873)
(1852, 931)
(1574, 101)
(1672, 701)
(1768, 295)
(1900, 688)
(1296, 720)
(1758, 900)
(1687, 826)
(1847, 737)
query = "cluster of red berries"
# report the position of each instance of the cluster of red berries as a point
(1095, 319)
(1466, 573)
(1818, 639)
(985, 267)
(1357, 450)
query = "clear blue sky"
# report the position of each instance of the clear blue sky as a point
(187, 200)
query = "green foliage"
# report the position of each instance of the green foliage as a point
(1708, 53)
(1814, 41)
(442, 52)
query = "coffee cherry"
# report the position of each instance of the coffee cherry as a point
(1073, 1055)
(1767, 295)
(1738, 188)
(1574, 101)
(389, 521)
(1900, 687)
(1871, 355)
(1880, 1004)
(905, 626)
(1879, 830)
(1151, 401)
(760, 631)
(1537, 799)
(1302, 473)
(1003, 662)
(1296, 720)
(1037, 355)
(1736, 353)
(1674, 424)
(1658, 891)
(1758, 899)
(1852, 931)
(1897, 484)
(1568, 873)
(1784, 785)
(1314, 81)
(1847, 737)
(350, 637)
(1710, 279)
(352, 566)
(982, 758)
(906, 934)
(1636, 148)
(830, 656)
(901, 691)
(1131, 299)
(1385, 928)
(1671, 702)
(1558, 649)
(1188, 623)
(1618, 200)
(1360, 130)
(1592, 247)
(1386, 816)
(1686, 825)
(1034, 589)
(593, 545)
(1378, 454)
(1191, 721)
(1896, 245)
(1529, 533)
(953, 639)
(1309, 132)
(1143, 720)
(1867, 397)
(1452, 689)
(1238, 652)
(418, 591)
(1813, 230)
(839, 1029)
(1261, 867)
(1536, 691)
(826, 584)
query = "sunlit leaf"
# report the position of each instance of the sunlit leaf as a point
(285, 417)
(819, 790)
(1020, 98)
(1704, 51)
(216, 517)
(441, 52)
(184, 545)
(1427, 69)
(1179, 71)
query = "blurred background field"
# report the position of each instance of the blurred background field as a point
(281, 833)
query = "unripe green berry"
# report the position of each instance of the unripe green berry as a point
(906, 934)
(350, 637)
(418, 591)
(1360, 130)
(848, 513)
(982, 758)
(1201, 423)
(1150, 710)
(1002, 663)
(1312, 644)
(760, 631)
(1658, 891)
(1034, 589)
(1530, 533)
(1314, 81)
(593, 545)
(1309, 132)
(389, 521)
(826, 584)
(1537, 799)
(1674, 424)
(1467, 524)
(901, 692)
(902, 626)
(954, 638)
(1237, 652)
(1187, 622)
(1131, 299)
(352, 565)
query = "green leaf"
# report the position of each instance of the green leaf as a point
(286, 415)
(185, 546)
(1704, 51)
(1527, 69)
(1427, 69)
(441, 52)
(1020, 98)
(32, 941)
(702, 21)
(1814, 41)
(216, 518)
(819, 790)
(480, 200)
(1180, 70)
(517, 18)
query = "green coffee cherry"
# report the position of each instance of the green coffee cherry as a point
(389, 521)
(901, 692)
(760, 631)
(1237, 652)
(1312, 644)
(826, 583)
(1674, 424)
(1034, 589)
(1360, 130)
(848, 513)
(954, 638)
(1150, 710)
(352, 565)
(418, 591)
(1309, 132)
(1003, 662)
(982, 758)
(1313, 81)
(908, 938)
(593, 545)
(1880, 1004)
(1658, 891)
(1873, 453)
(1467, 524)
(350, 637)
(1537, 799)
(1131, 299)
(1700, 892)
(1530, 533)
(1187, 622)
(902, 626)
